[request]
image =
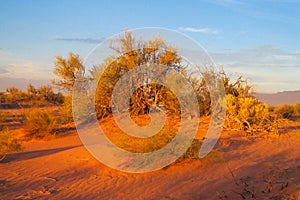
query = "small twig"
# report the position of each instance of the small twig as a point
(232, 174)
(239, 194)
(50, 178)
(3, 157)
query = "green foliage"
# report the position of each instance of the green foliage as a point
(286, 111)
(8, 143)
(39, 122)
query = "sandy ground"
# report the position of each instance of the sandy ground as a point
(242, 167)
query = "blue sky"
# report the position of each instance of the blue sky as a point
(258, 39)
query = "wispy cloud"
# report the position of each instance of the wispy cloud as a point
(3, 71)
(82, 40)
(14, 66)
(270, 68)
(27, 69)
(200, 30)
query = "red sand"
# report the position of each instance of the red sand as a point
(241, 167)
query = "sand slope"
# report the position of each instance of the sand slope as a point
(241, 168)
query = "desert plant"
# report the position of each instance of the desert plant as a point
(136, 53)
(67, 71)
(46, 93)
(8, 143)
(271, 108)
(3, 117)
(297, 108)
(31, 92)
(66, 110)
(246, 113)
(286, 111)
(14, 94)
(39, 122)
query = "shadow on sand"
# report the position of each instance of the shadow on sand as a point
(34, 154)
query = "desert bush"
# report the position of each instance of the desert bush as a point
(132, 53)
(3, 117)
(66, 110)
(246, 113)
(14, 94)
(31, 92)
(42, 94)
(8, 143)
(286, 111)
(271, 108)
(238, 88)
(39, 122)
(67, 71)
(297, 108)
(46, 93)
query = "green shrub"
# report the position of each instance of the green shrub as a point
(8, 143)
(39, 122)
(286, 111)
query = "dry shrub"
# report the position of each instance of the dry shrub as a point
(39, 122)
(66, 110)
(3, 117)
(8, 143)
(297, 108)
(131, 53)
(247, 113)
(286, 111)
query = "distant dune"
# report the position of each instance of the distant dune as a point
(286, 97)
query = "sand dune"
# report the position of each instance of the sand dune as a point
(241, 167)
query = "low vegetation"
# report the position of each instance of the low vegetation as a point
(39, 122)
(3, 117)
(8, 143)
(41, 95)
(66, 110)
(244, 111)
(286, 111)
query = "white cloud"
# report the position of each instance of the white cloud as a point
(83, 40)
(13, 66)
(271, 69)
(200, 30)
